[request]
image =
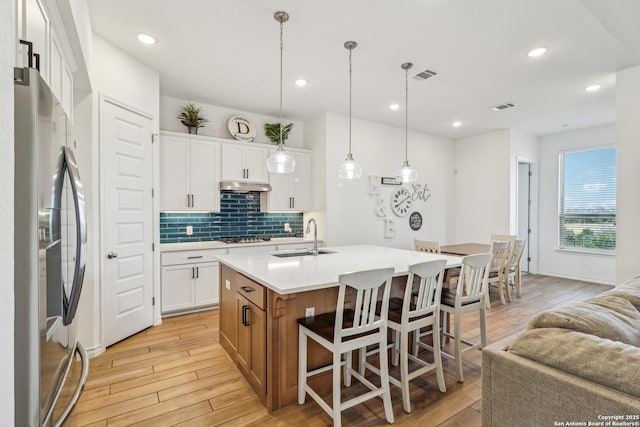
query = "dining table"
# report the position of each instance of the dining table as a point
(463, 249)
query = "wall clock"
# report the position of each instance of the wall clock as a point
(401, 202)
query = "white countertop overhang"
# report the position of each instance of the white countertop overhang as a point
(305, 273)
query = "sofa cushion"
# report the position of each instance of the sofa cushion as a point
(607, 316)
(629, 291)
(609, 363)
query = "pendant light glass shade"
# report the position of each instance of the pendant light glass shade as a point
(281, 161)
(406, 173)
(349, 169)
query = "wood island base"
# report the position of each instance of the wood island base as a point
(259, 330)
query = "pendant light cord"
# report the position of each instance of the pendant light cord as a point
(280, 144)
(350, 84)
(406, 115)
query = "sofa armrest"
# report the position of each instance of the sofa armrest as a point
(519, 391)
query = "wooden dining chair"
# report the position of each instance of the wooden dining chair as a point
(408, 315)
(501, 250)
(504, 237)
(345, 330)
(468, 296)
(513, 275)
(430, 246)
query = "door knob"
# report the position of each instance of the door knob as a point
(111, 255)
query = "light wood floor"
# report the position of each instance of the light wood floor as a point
(178, 374)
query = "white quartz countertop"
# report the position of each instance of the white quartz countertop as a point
(305, 273)
(217, 244)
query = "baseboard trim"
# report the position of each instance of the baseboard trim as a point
(574, 277)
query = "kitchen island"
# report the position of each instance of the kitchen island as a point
(263, 295)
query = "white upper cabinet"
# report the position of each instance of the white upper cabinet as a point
(60, 81)
(292, 191)
(189, 174)
(34, 25)
(36, 29)
(245, 163)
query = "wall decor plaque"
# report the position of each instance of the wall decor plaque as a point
(415, 221)
(241, 129)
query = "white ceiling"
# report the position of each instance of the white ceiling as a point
(226, 53)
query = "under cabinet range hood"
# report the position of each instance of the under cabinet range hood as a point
(244, 187)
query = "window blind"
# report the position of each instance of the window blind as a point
(587, 216)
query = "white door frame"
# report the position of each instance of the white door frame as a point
(533, 210)
(103, 98)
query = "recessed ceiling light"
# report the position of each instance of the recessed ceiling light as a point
(146, 39)
(593, 88)
(301, 82)
(456, 124)
(539, 51)
(394, 106)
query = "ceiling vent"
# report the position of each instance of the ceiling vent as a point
(503, 106)
(424, 75)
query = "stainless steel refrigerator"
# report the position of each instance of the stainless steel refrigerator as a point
(50, 227)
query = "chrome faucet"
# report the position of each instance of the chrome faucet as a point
(315, 235)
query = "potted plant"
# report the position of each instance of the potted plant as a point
(191, 117)
(272, 131)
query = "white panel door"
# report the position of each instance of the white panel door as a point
(127, 222)
(205, 175)
(174, 172)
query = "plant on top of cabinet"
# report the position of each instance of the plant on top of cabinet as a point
(191, 116)
(272, 131)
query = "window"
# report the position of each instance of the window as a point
(587, 216)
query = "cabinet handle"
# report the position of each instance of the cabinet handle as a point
(188, 200)
(194, 257)
(245, 309)
(193, 272)
(193, 201)
(247, 173)
(246, 289)
(197, 272)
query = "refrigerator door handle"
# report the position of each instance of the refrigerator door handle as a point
(67, 163)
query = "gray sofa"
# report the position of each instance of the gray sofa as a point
(573, 365)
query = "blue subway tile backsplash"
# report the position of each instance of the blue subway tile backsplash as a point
(239, 216)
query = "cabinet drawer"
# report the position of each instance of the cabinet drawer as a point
(190, 257)
(249, 289)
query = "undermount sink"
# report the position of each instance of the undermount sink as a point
(306, 252)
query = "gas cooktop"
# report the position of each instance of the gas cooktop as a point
(246, 239)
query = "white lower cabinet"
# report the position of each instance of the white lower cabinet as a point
(190, 280)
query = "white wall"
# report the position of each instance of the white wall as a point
(218, 118)
(380, 151)
(628, 178)
(315, 137)
(553, 262)
(7, 56)
(121, 77)
(482, 186)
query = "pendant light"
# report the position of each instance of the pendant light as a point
(281, 161)
(349, 169)
(406, 173)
